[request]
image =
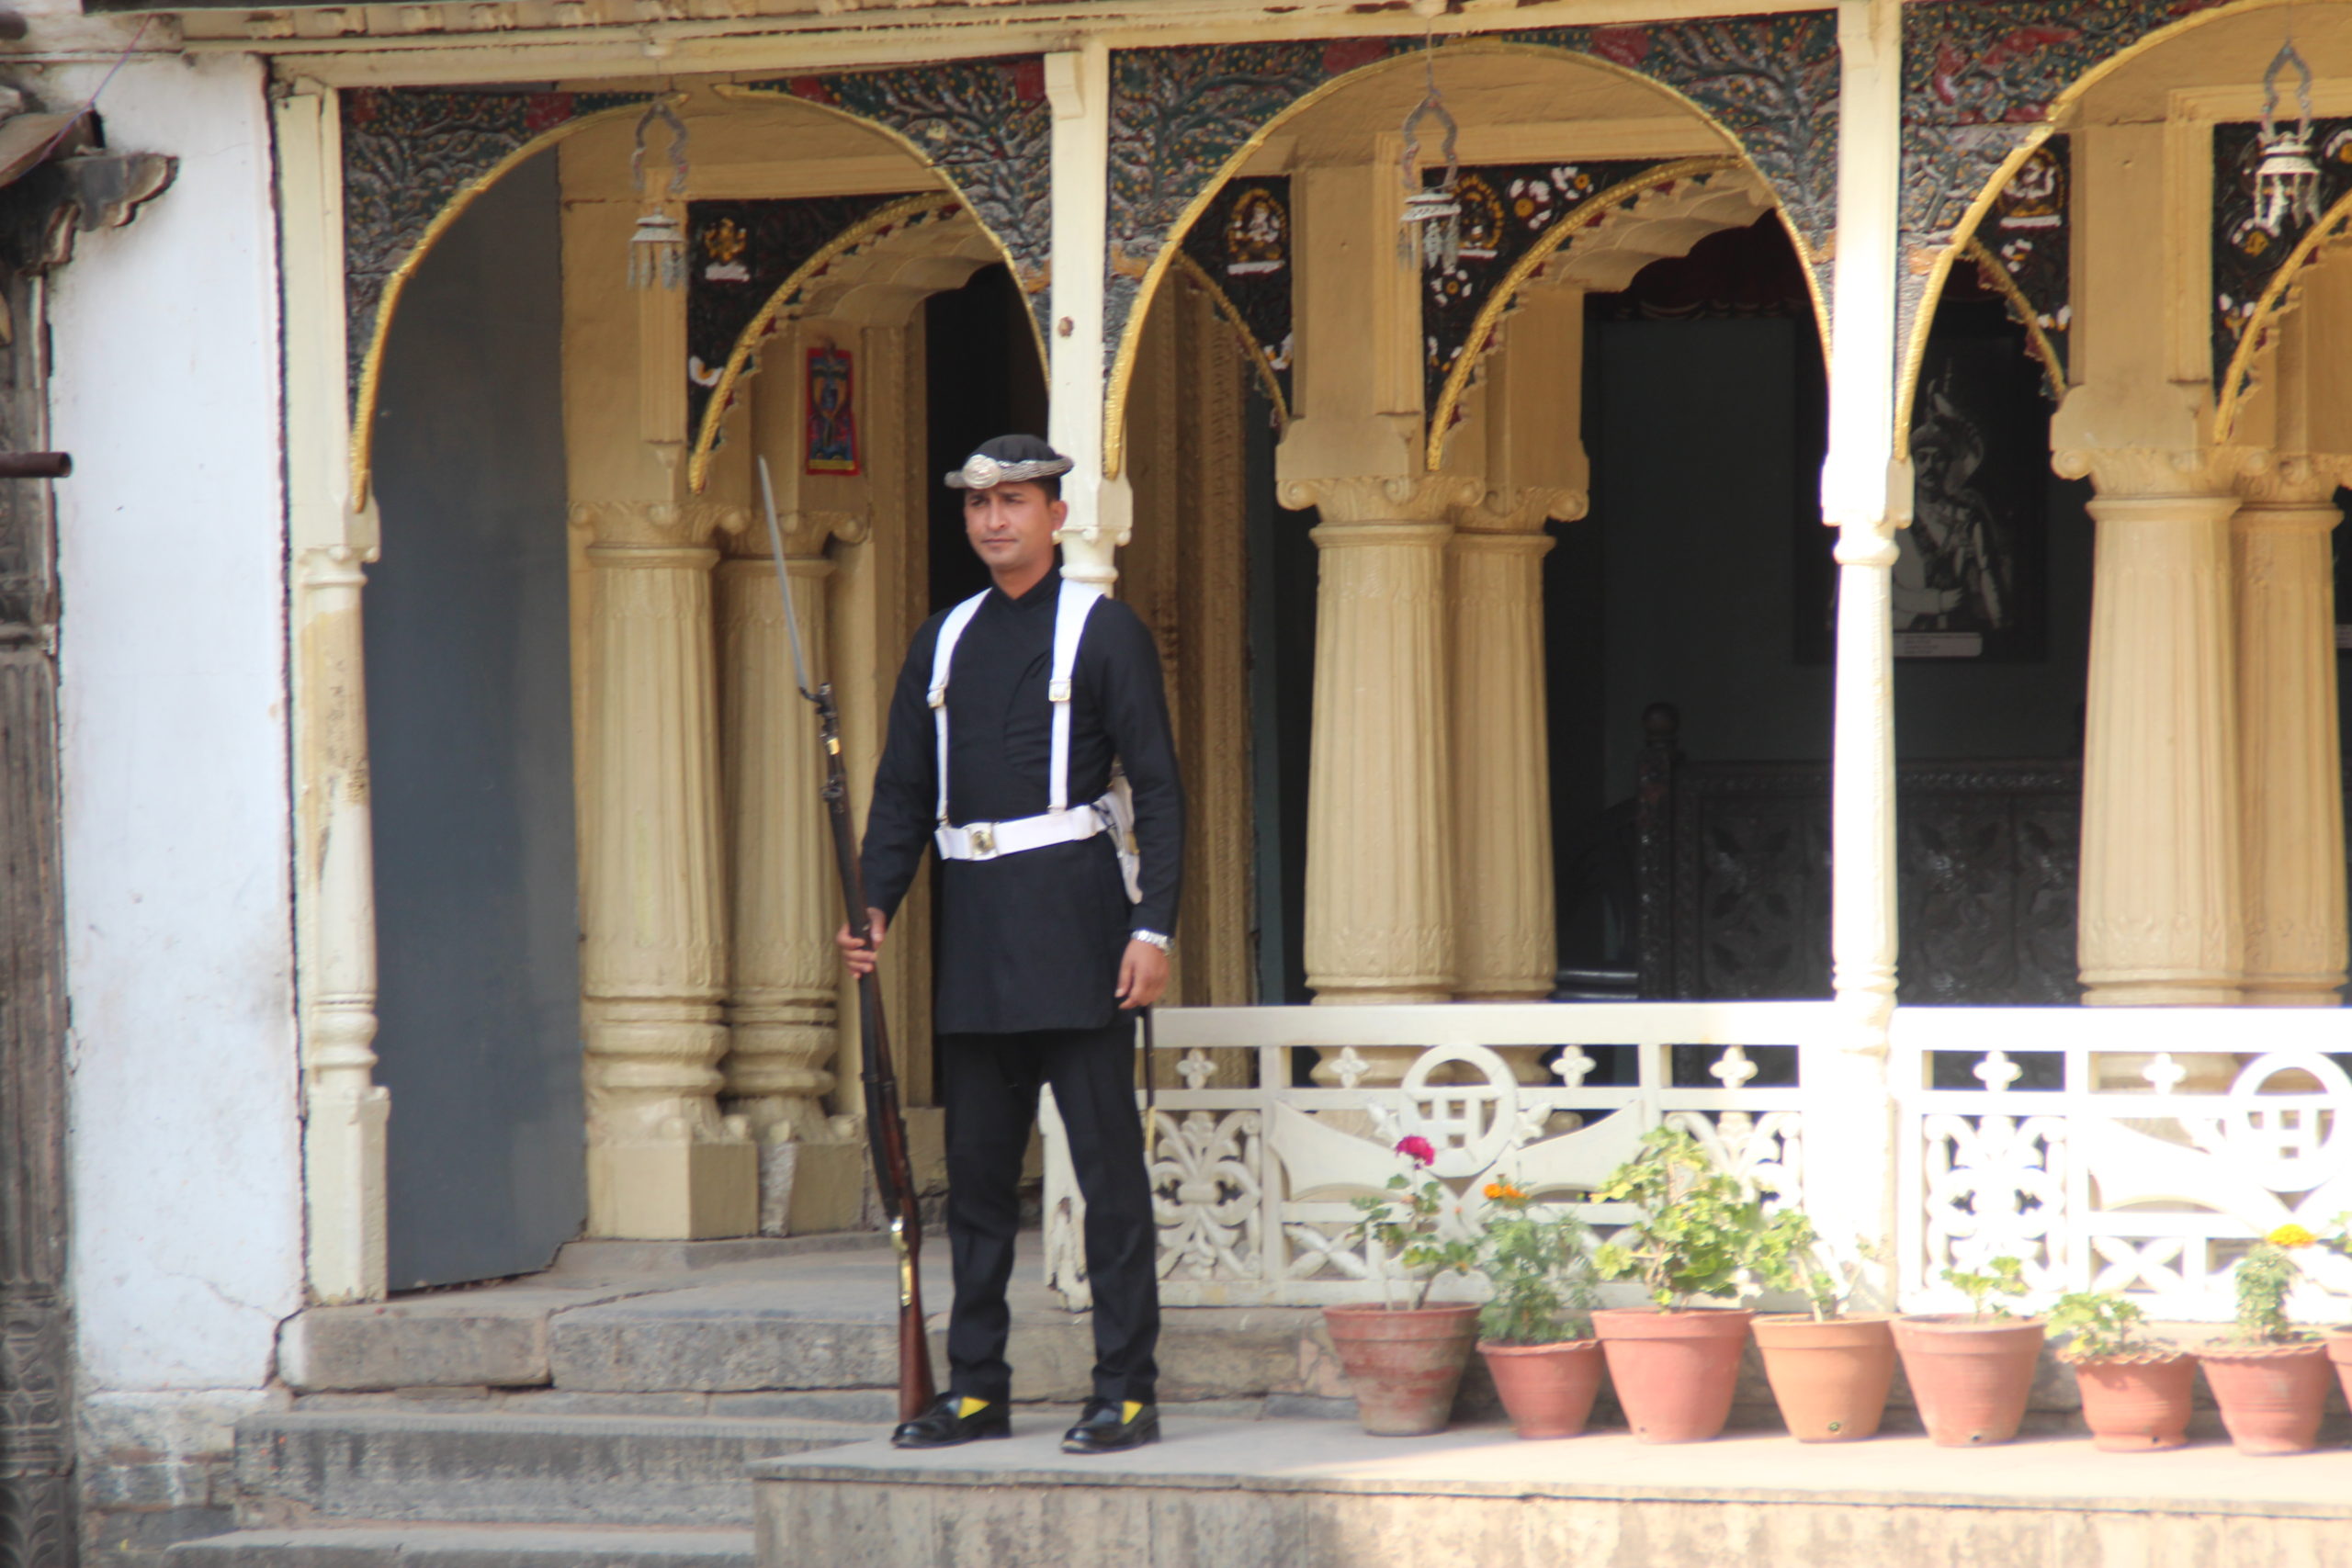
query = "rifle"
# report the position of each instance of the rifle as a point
(886, 1127)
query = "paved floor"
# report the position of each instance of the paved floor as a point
(1332, 1456)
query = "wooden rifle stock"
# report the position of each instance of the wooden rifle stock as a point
(886, 1126)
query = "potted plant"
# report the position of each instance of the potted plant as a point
(1676, 1364)
(1405, 1361)
(1972, 1375)
(2135, 1389)
(2269, 1377)
(1535, 1332)
(1829, 1371)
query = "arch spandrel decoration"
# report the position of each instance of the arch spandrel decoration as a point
(413, 158)
(1182, 117)
(780, 294)
(1240, 252)
(1983, 80)
(985, 125)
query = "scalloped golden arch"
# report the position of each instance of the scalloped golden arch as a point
(1963, 234)
(363, 413)
(1122, 376)
(371, 364)
(779, 308)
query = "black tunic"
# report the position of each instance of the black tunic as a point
(1029, 941)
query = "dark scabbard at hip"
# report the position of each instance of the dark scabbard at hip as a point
(886, 1126)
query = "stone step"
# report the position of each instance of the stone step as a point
(298, 1467)
(1322, 1495)
(466, 1546)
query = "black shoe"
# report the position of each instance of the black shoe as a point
(1105, 1429)
(942, 1428)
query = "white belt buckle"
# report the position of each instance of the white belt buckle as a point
(983, 837)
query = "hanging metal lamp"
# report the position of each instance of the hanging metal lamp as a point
(2285, 182)
(657, 250)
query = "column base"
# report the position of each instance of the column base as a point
(1337, 993)
(2160, 994)
(2303, 991)
(673, 1190)
(809, 1185)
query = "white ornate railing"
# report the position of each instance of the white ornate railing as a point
(2124, 1149)
(1252, 1179)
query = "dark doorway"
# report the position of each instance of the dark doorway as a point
(983, 377)
(469, 734)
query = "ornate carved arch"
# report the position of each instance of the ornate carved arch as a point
(1184, 120)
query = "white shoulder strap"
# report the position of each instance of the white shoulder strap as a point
(1076, 604)
(950, 630)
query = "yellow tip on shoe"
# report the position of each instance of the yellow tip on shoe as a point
(970, 1408)
(1130, 1410)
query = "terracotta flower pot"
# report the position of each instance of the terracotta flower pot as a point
(1830, 1379)
(1969, 1377)
(2339, 1350)
(1403, 1363)
(1546, 1389)
(2270, 1395)
(1675, 1372)
(2137, 1404)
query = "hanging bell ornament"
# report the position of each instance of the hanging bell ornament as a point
(657, 250)
(2285, 182)
(1430, 232)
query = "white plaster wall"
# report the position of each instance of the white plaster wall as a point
(186, 1239)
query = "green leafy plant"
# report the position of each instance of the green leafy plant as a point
(1407, 1226)
(1703, 1232)
(1540, 1269)
(2002, 1277)
(2099, 1325)
(2264, 1275)
(1795, 1257)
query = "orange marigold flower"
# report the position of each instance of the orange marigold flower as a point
(1503, 1191)
(2290, 1236)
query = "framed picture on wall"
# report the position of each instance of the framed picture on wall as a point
(833, 412)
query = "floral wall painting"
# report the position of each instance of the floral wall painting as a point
(831, 440)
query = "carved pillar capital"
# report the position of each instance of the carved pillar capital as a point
(806, 532)
(2297, 479)
(658, 524)
(2146, 472)
(1520, 510)
(1383, 498)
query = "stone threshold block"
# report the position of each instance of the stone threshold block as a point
(1321, 1494)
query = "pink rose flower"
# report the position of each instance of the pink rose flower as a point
(1417, 1149)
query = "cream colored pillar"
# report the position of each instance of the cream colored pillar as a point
(1078, 86)
(345, 1111)
(661, 1161)
(1519, 429)
(2162, 911)
(2291, 769)
(781, 1004)
(1380, 909)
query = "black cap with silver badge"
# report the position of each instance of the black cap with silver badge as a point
(1008, 460)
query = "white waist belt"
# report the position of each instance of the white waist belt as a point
(987, 840)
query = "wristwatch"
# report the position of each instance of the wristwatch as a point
(1159, 940)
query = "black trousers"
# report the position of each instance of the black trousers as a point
(990, 1084)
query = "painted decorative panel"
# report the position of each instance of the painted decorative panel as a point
(407, 154)
(1178, 116)
(1978, 80)
(741, 252)
(986, 125)
(2247, 260)
(1507, 210)
(2025, 250)
(1241, 250)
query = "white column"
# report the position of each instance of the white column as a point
(1865, 495)
(1077, 83)
(345, 1111)
(2291, 765)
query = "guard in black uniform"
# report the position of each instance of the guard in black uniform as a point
(1047, 944)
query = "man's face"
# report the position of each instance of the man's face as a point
(1011, 526)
